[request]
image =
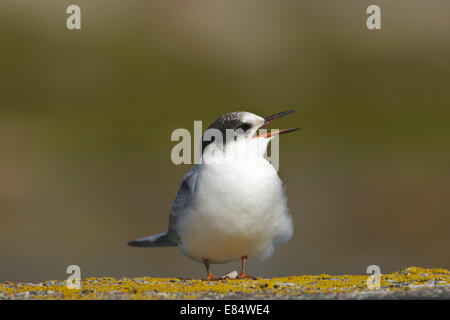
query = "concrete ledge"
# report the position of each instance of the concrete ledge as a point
(410, 283)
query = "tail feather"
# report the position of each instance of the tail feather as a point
(156, 240)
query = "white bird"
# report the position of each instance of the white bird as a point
(232, 205)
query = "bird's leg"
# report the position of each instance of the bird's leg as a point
(243, 275)
(210, 276)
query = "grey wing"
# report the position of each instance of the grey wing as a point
(183, 201)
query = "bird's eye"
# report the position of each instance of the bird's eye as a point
(244, 127)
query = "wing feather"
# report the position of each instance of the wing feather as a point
(183, 201)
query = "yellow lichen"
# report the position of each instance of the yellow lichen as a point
(173, 288)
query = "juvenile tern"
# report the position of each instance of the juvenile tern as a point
(232, 205)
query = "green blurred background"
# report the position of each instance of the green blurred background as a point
(86, 118)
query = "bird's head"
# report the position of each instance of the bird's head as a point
(241, 125)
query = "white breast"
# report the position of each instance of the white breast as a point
(239, 208)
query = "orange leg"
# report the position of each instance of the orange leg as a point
(210, 276)
(243, 275)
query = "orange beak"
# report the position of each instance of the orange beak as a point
(273, 118)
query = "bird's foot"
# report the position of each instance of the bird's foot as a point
(211, 277)
(243, 275)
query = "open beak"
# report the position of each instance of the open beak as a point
(268, 120)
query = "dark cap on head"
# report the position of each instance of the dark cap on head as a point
(231, 120)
